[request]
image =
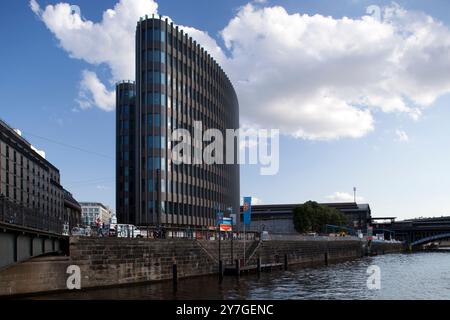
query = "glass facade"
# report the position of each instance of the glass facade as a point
(125, 149)
(177, 83)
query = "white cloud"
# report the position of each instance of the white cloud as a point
(93, 92)
(102, 187)
(318, 77)
(35, 6)
(313, 77)
(402, 136)
(109, 42)
(343, 197)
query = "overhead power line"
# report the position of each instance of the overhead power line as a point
(69, 146)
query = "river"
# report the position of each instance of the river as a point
(424, 275)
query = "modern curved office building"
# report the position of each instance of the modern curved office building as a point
(177, 83)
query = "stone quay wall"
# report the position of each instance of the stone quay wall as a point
(118, 261)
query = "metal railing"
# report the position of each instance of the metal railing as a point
(17, 215)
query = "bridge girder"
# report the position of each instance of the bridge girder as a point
(20, 245)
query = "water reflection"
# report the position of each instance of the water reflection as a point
(403, 276)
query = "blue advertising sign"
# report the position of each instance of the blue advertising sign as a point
(227, 221)
(247, 209)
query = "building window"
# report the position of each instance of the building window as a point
(154, 163)
(154, 34)
(155, 98)
(125, 125)
(155, 77)
(156, 56)
(150, 185)
(154, 120)
(156, 142)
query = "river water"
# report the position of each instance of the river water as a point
(402, 276)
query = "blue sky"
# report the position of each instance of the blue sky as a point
(40, 86)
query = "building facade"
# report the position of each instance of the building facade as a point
(177, 83)
(94, 213)
(126, 150)
(30, 189)
(72, 211)
(278, 218)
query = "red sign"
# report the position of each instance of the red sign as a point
(225, 227)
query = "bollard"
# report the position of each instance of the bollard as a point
(175, 276)
(220, 270)
(258, 266)
(326, 258)
(238, 268)
(285, 262)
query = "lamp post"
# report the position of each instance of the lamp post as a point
(219, 217)
(230, 209)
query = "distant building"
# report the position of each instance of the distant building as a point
(30, 191)
(278, 218)
(95, 212)
(114, 218)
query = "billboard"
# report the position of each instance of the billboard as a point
(226, 227)
(226, 224)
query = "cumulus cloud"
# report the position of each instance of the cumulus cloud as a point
(318, 77)
(313, 77)
(94, 93)
(109, 42)
(35, 6)
(402, 136)
(343, 197)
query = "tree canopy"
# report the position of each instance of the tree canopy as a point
(312, 217)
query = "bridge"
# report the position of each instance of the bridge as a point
(417, 232)
(26, 233)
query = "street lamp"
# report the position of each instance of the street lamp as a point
(230, 209)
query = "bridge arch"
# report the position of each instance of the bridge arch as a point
(426, 240)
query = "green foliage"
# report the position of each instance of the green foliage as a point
(312, 217)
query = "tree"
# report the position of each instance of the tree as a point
(312, 217)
